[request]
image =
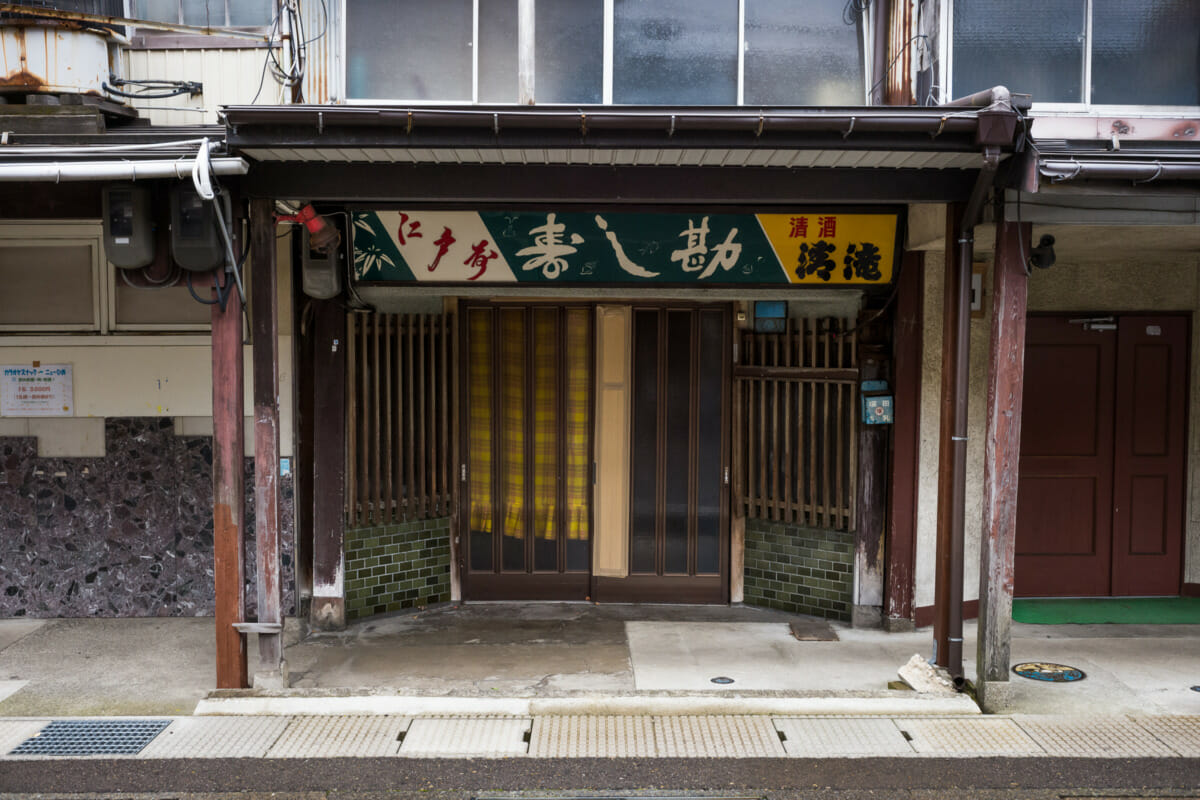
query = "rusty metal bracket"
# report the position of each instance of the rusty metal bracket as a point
(1157, 174)
(259, 627)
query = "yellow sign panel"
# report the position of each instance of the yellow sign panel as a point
(821, 249)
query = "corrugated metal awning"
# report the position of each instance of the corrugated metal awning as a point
(626, 156)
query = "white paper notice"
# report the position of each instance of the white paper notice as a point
(41, 391)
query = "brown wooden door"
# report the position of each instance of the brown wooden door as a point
(1149, 455)
(1101, 473)
(678, 546)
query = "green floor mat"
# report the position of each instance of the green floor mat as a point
(1121, 610)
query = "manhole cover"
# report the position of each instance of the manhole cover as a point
(90, 738)
(1054, 673)
(721, 679)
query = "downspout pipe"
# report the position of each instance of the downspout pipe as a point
(881, 23)
(948, 623)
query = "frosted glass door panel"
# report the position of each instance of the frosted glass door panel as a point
(812, 58)
(498, 51)
(569, 51)
(1146, 53)
(1030, 46)
(678, 52)
(408, 49)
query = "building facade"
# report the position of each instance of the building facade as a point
(632, 301)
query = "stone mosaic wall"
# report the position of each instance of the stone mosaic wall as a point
(127, 535)
(800, 570)
(391, 567)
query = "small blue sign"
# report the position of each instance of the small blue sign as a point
(878, 410)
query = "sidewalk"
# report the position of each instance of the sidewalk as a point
(531, 661)
(607, 736)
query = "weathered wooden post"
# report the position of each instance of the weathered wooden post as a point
(229, 512)
(264, 306)
(329, 466)
(1006, 372)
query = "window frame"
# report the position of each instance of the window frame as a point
(946, 55)
(524, 51)
(32, 234)
(18, 233)
(152, 39)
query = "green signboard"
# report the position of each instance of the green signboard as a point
(622, 248)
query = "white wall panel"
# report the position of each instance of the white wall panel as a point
(229, 76)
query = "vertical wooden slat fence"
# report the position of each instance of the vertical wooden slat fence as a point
(401, 393)
(799, 394)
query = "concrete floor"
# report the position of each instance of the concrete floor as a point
(165, 666)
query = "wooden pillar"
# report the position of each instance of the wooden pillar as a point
(908, 363)
(229, 511)
(737, 493)
(329, 466)
(1006, 372)
(871, 503)
(264, 307)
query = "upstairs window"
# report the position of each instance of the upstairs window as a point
(669, 52)
(1089, 52)
(206, 13)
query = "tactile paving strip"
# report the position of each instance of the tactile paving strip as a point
(991, 736)
(576, 736)
(1092, 736)
(15, 731)
(109, 737)
(217, 737)
(826, 736)
(340, 737)
(1181, 734)
(716, 737)
(467, 737)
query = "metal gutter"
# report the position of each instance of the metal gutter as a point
(1059, 170)
(933, 121)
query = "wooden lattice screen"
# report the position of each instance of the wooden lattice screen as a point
(401, 396)
(799, 421)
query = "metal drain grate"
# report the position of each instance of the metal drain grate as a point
(92, 738)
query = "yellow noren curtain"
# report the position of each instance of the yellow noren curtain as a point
(545, 423)
(479, 445)
(512, 420)
(556, 423)
(578, 422)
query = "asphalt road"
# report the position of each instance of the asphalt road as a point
(451, 779)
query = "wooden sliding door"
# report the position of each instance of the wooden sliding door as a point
(528, 452)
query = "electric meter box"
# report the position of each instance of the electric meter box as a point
(128, 227)
(320, 273)
(196, 242)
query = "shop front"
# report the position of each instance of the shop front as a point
(606, 355)
(595, 401)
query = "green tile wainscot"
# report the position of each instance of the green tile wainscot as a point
(393, 567)
(799, 570)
